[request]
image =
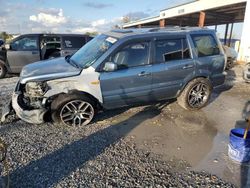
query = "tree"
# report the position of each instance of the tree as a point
(116, 26)
(92, 34)
(126, 19)
(4, 35)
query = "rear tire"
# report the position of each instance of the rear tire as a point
(230, 64)
(72, 110)
(3, 69)
(196, 94)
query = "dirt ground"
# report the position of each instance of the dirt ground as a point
(198, 138)
(201, 138)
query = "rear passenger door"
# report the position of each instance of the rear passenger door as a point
(172, 66)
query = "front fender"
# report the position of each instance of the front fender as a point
(87, 82)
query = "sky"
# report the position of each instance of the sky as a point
(75, 16)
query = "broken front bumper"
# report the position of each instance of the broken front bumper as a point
(35, 116)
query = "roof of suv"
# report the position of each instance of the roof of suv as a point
(119, 33)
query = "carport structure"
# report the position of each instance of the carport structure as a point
(205, 13)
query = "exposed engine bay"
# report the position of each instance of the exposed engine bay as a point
(33, 94)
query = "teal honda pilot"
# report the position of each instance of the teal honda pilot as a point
(121, 68)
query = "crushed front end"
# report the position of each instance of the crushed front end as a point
(28, 102)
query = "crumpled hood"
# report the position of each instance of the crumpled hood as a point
(47, 70)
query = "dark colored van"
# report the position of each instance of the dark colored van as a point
(30, 48)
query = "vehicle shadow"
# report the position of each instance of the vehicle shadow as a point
(52, 168)
(229, 83)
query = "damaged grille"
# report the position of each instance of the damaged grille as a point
(31, 95)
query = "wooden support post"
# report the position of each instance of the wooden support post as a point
(162, 23)
(180, 24)
(215, 28)
(202, 19)
(225, 37)
(230, 36)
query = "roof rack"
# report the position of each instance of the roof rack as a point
(122, 31)
(154, 29)
(174, 28)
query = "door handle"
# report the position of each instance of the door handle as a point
(143, 73)
(188, 67)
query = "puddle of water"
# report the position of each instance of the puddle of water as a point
(217, 162)
(192, 137)
(177, 134)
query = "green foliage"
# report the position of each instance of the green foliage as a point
(5, 36)
(92, 34)
(126, 19)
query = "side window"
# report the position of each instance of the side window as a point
(171, 49)
(205, 45)
(132, 55)
(49, 42)
(73, 42)
(26, 43)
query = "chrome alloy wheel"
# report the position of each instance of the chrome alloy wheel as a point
(198, 95)
(77, 113)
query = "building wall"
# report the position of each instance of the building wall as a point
(196, 6)
(244, 53)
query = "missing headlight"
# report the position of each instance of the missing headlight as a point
(36, 89)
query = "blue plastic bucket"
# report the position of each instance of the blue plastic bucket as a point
(239, 148)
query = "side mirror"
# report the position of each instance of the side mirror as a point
(110, 67)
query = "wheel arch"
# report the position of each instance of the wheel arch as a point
(205, 76)
(97, 103)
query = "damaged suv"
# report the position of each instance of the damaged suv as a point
(121, 68)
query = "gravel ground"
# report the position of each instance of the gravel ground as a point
(98, 155)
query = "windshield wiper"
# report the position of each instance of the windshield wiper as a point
(73, 63)
(67, 58)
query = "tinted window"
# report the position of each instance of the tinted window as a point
(49, 41)
(132, 55)
(73, 41)
(205, 45)
(171, 49)
(26, 43)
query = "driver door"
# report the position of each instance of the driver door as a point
(23, 51)
(131, 82)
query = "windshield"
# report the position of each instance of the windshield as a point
(91, 51)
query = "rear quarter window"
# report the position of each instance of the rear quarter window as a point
(72, 42)
(205, 45)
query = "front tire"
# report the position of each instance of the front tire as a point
(196, 94)
(72, 110)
